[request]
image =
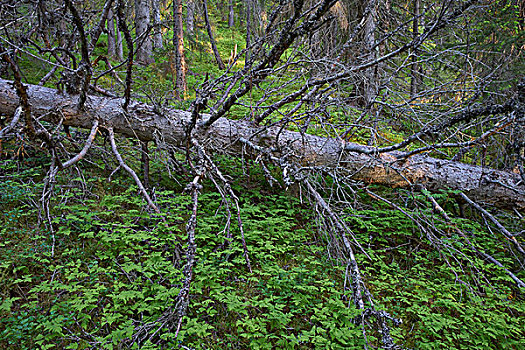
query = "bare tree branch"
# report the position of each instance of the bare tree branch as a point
(131, 171)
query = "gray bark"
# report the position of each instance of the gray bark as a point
(112, 39)
(489, 186)
(142, 21)
(370, 83)
(231, 14)
(157, 30)
(248, 28)
(190, 22)
(414, 68)
(103, 19)
(119, 47)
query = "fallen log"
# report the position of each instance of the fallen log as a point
(484, 185)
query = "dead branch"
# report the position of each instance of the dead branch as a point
(131, 172)
(359, 290)
(232, 195)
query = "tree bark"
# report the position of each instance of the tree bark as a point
(370, 83)
(414, 67)
(100, 27)
(112, 39)
(157, 31)
(231, 14)
(489, 186)
(119, 47)
(218, 59)
(142, 22)
(190, 21)
(178, 43)
(248, 29)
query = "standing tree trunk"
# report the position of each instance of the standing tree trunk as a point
(178, 43)
(414, 68)
(157, 31)
(142, 21)
(190, 17)
(231, 14)
(112, 40)
(259, 17)
(248, 28)
(210, 34)
(119, 54)
(370, 83)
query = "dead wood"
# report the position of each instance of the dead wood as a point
(484, 185)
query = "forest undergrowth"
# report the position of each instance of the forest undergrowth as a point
(112, 266)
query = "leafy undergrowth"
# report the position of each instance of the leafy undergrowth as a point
(111, 267)
(446, 296)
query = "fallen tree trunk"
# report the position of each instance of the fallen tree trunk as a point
(485, 185)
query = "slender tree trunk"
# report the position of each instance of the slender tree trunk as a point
(370, 83)
(414, 68)
(178, 43)
(142, 22)
(118, 43)
(190, 17)
(248, 28)
(231, 14)
(386, 23)
(157, 31)
(63, 28)
(212, 39)
(112, 44)
(258, 17)
(131, 52)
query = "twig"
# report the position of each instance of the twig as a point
(12, 124)
(228, 188)
(493, 260)
(50, 181)
(357, 284)
(500, 227)
(85, 149)
(341, 227)
(130, 171)
(85, 65)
